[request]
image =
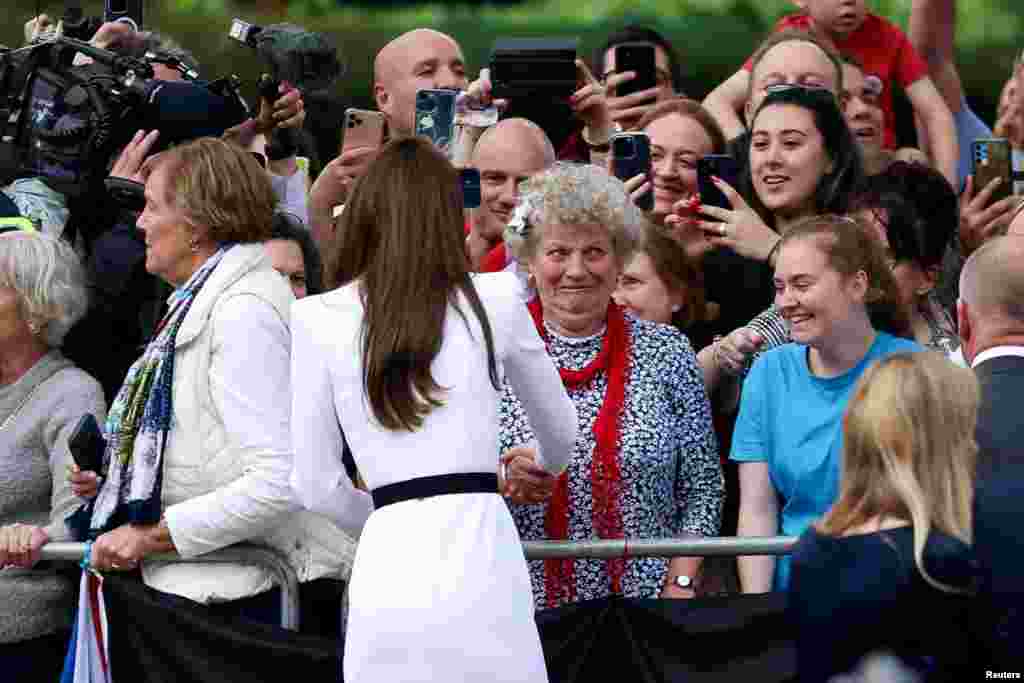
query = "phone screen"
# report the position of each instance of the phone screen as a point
(435, 117)
(469, 180)
(638, 57)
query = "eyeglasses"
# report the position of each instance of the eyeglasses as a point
(786, 87)
(804, 90)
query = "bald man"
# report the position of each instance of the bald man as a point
(506, 154)
(991, 317)
(420, 59)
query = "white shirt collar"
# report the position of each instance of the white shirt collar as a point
(997, 352)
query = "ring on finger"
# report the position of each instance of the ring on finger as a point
(723, 231)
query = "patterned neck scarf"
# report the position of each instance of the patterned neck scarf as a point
(605, 474)
(139, 424)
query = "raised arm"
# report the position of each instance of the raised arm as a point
(939, 125)
(727, 101)
(319, 477)
(931, 30)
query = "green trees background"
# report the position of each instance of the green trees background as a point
(714, 36)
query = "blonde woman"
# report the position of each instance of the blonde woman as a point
(889, 567)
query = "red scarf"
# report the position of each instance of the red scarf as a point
(605, 475)
(495, 260)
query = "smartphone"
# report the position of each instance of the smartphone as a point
(469, 181)
(435, 117)
(537, 68)
(631, 156)
(638, 57)
(362, 129)
(87, 444)
(721, 166)
(992, 158)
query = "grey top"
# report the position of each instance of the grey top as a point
(34, 489)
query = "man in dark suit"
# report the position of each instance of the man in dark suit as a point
(991, 319)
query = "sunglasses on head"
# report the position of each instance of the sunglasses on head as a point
(813, 91)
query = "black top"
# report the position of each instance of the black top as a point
(742, 288)
(854, 595)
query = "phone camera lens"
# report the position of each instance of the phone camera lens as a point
(626, 148)
(427, 102)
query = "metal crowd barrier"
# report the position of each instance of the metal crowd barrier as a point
(288, 581)
(659, 547)
(273, 561)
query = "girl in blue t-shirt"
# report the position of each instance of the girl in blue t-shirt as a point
(835, 290)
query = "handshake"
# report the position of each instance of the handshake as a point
(521, 480)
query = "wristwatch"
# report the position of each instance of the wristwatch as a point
(683, 581)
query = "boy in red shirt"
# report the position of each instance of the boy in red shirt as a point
(884, 51)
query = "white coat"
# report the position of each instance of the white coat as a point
(228, 458)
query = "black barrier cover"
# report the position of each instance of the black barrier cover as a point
(735, 638)
(156, 638)
(161, 638)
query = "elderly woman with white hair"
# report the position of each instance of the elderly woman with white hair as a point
(42, 397)
(646, 461)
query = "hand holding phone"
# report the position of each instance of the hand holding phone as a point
(712, 166)
(87, 444)
(631, 156)
(638, 58)
(362, 129)
(992, 158)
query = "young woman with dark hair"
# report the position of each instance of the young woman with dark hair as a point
(406, 358)
(803, 162)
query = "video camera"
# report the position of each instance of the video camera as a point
(63, 122)
(307, 61)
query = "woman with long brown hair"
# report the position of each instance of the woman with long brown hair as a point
(406, 358)
(895, 545)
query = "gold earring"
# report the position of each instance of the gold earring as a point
(194, 245)
(531, 281)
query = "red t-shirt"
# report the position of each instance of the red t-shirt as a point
(495, 260)
(884, 51)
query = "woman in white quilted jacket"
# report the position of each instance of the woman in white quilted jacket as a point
(198, 441)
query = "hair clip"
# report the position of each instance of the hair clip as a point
(520, 221)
